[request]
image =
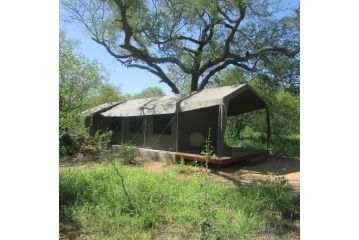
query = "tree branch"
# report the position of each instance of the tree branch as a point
(205, 80)
(158, 72)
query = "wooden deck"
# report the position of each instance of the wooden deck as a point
(241, 156)
(230, 155)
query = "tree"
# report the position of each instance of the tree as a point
(148, 93)
(83, 83)
(199, 38)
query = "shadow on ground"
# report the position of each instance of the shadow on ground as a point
(276, 164)
(286, 166)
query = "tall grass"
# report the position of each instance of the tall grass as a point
(93, 204)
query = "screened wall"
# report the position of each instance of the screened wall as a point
(193, 128)
(178, 122)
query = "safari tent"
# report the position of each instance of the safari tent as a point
(176, 123)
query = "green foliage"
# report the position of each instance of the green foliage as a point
(285, 144)
(208, 149)
(105, 93)
(120, 174)
(127, 153)
(80, 78)
(83, 83)
(66, 150)
(167, 206)
(72, 132)
(250, 129)
(196, 39)
(181, 167)
(102, 139)
(147, 93)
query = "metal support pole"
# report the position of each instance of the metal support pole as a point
(176, 131)
(123, 129)
(222, 120)
(268, 127)
(144, 130)
(219, 132)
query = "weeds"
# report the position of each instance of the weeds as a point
(208, 149)
(93, 203)
(122, 180)
(181, 166)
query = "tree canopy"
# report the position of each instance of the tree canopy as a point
(197, 38)
(83, 83)
(147, 93)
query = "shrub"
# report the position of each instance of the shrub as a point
(127, 153)
(66, 150)
(102, 139)
(72, 133)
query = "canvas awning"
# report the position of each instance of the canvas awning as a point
(99, 108)
(186, 102)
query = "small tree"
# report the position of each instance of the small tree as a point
(208, 149)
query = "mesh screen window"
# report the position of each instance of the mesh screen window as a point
(116, 124)
(162, 124)
(136, 125)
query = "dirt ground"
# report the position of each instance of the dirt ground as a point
(288, 167)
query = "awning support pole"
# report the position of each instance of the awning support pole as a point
(268, 127)
(222, 119)
(176, 131)
(123, 129)
(144, 130)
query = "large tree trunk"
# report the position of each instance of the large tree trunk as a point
(194, 83)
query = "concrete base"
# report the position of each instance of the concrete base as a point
(247, 157)
(153, 154)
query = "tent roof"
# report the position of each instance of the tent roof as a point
(177, 102)
(99, 108)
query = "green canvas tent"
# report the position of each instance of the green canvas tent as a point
(176, 122)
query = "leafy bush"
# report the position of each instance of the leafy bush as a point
(66, 150)
(127, 153)
(72, 133)
(102, 139)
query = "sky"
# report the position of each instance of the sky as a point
(130, 80)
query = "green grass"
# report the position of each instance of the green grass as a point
(93, 204)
